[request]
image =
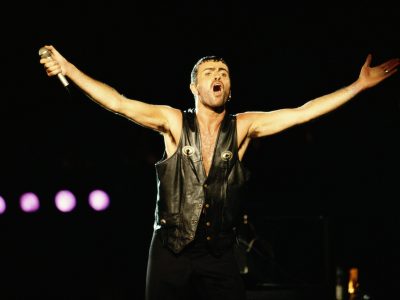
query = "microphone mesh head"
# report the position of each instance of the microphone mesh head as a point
(44, 53)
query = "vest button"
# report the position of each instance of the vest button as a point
(207, 205)
(205, 185)
(200, 205)
(163, 222)
(208, 238)
(208, 224)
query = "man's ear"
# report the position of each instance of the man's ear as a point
(194, 90)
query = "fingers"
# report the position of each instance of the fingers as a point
(393, 63)
(51, 66)
(53, 69)
(390, 72)
(49, 47)
(45, 60)
(390, 65)
(51, 50)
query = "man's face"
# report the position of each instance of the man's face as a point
(213, 84)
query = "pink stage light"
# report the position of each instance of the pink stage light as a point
(29, 202)
(65, 201)
(99, 200)
(3, 205)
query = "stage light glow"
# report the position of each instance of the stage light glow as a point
(99, 200)
(65, 201)
(29, 202)
(3, 205)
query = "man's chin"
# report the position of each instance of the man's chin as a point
(218, 107)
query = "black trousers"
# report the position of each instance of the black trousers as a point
(192, 274)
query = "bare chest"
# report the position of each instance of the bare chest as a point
(208, 141)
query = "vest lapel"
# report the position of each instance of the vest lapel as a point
(191, 149)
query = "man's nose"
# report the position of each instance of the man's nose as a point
(217, 76)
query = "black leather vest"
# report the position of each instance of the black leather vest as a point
(185, 193)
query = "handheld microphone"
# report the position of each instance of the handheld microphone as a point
(44, 53)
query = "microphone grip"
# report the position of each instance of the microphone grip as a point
(63, 79)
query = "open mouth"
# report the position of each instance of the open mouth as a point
(217, 87)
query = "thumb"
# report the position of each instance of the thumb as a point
(368, 60)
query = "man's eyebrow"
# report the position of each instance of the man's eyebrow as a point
(213, 69)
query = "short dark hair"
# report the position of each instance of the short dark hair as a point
(195, 70)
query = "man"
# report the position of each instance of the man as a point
(201, 178)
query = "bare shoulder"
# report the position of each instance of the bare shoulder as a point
(245, 119)
(243, 116)
(248, 121)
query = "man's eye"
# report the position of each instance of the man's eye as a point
(207, 73)
(224, 74)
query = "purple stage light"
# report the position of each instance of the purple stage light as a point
(3, 205)
(65, 201)
(29, 202)
(99, 200)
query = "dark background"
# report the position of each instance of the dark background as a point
(323, 194)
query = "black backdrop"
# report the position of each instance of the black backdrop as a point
(343, 166)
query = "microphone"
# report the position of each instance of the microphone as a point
(44, 53)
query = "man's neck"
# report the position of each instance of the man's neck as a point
(209, 120)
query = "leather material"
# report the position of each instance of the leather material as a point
(185, 193)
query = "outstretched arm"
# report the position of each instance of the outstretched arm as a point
(259, 124)
(156, 117)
